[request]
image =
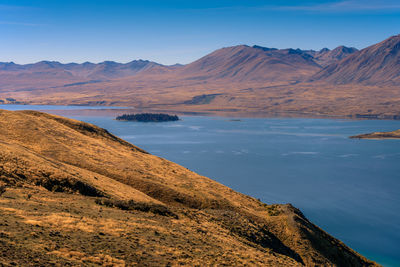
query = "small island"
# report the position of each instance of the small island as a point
(379, 135)
(148, 117)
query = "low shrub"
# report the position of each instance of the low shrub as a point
(2, 189)
(133, 205)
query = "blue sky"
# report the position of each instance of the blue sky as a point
(177, 31)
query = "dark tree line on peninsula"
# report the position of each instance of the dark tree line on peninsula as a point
(148, 117)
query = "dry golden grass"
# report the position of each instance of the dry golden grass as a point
(88, 197)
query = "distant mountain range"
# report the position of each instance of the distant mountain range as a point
(103, 70)
(373, 65)
(261, 79)
(237, 63)
(379, 63)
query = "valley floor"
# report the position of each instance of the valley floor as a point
(225, 99)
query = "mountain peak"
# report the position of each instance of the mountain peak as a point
(345, 49)
(264, 48)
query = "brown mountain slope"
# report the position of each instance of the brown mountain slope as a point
(376, 64)
(75, 193)
(244, 63)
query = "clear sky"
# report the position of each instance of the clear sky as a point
(177, 31)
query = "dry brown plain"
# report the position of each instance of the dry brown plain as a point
(164, 93)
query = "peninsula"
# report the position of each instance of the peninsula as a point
(379, 135)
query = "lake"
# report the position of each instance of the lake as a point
(350, 188)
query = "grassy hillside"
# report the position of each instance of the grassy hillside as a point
(74, 193)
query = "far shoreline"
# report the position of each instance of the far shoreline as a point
(98, 110)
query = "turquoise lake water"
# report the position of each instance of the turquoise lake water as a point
(350, 188)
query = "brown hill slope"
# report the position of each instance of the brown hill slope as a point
(376, 64)
(76, 194)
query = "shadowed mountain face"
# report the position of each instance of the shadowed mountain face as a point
(375, 65)
(71, 192)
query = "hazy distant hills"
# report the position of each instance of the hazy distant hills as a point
(376, 64)
(103, 70)
(48, 74)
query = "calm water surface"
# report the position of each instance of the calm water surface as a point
(350, 188)
(54, 107)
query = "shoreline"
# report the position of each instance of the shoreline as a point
(394, 135)
(116, 110)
